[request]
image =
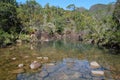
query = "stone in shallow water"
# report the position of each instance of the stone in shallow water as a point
(45, 58)
(14, 58)
(20, 65)
(26, 57)
(94, 65)
(76, 75)
(61, 76)
(18, 71)
(39, 58)
(35, 65)
(50, 64)
(43, 74)
(99, 78)
(97, 73)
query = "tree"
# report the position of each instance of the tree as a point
(116, 14)
(71, 7)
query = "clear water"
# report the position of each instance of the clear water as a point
(55, 51)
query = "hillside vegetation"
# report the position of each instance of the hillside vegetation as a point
(101, 23)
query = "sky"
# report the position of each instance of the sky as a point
(64, 3)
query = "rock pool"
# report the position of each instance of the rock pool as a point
(58, 53)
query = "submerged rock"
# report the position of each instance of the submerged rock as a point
(43, 74)
(20, 65)
(26, 57)
(35, 65)
(14, 58)
(39, 58)
(97, 73)
(50, 64)
(94, 65)
(45, 58)
(18, 71)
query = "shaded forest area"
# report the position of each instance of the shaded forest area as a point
(100, 24)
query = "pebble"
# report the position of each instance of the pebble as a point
(26, 56)
(39, 57)
(14, 58)
(20, 65)
(45, 58)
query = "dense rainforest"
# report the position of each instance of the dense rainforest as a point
(100, 24)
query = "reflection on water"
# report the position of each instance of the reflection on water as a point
(55, 51)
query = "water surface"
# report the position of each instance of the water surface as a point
(56, 51)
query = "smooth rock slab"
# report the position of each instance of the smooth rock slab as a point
(97, 73)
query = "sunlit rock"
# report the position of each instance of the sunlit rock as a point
(20, 65)
(94, 65)
(97, 73)
(35, 65)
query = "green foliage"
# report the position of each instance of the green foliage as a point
(96, 24)
(5, 37)
(8, 18)
(9, 23)
(12, 2)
